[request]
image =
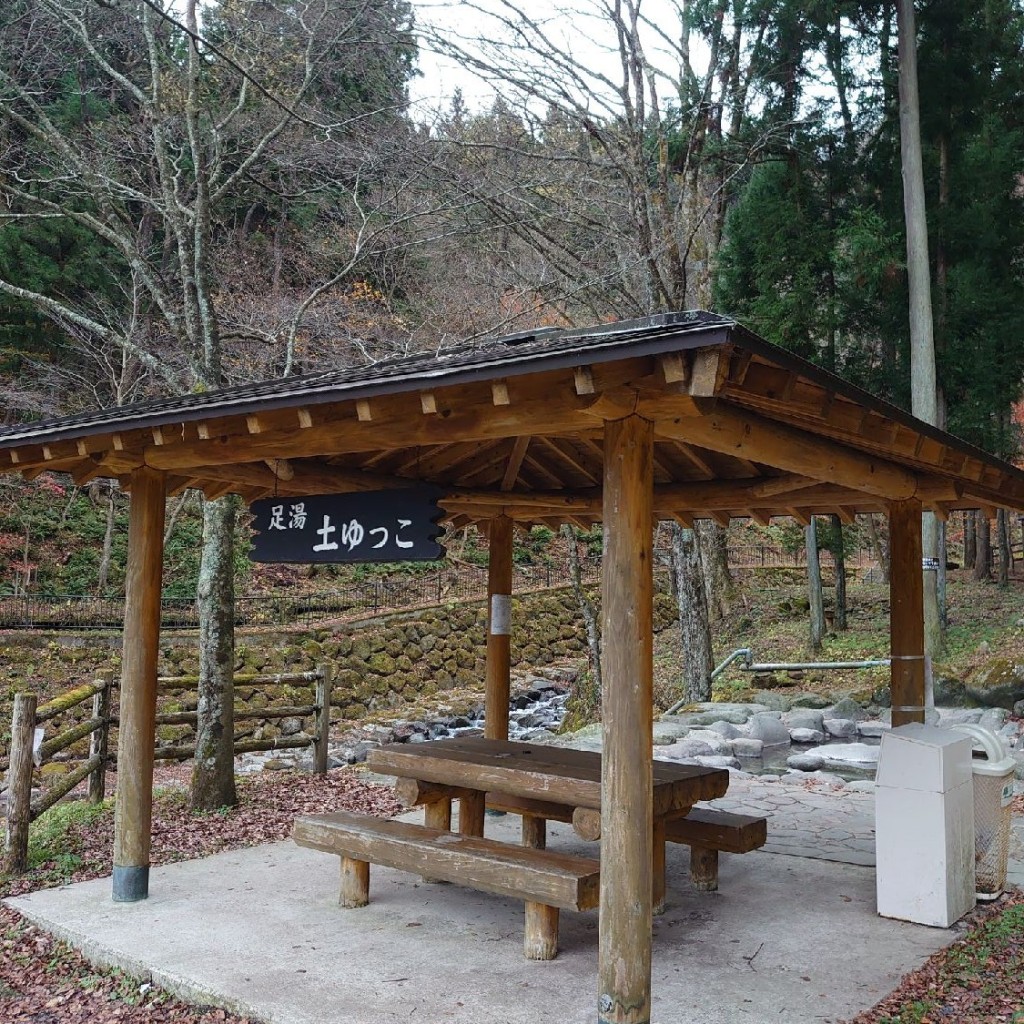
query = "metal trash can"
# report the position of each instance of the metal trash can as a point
(992, 768)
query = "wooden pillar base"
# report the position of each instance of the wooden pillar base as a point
(540, 938)
(131, 884)
(355, 883)
(704, 868)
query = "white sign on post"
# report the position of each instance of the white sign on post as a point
(501, 615)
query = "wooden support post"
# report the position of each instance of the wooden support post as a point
(540, 937)
(99, 741)
(355, 883)
(627, 819)
(133, 808)
(906, 612)
(535, 832)
(499, 628)
(437, 814)
(19, 783)
(322, 729)
(658, 869)
(704, 868)
(471, 813)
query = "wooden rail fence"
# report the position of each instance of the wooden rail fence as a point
(26, 754)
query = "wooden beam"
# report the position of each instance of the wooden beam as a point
(133, 808)
(709, 368)
(803, 518)
(584, 380)
(760, 516)
(684, 519)
(906, 612)
(86, 471)
(556, 412)
(847, 515)
(428, 403)
(743, 434)
(305, 418)
(515, 463)
(627, 847)
(316, 478)
(721, 518)
(499, 392)
(253, 425)
(499, 628)
(203, 431)
(674, 368)
(363, 411)
(281, 468)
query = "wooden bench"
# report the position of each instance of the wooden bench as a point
(707, 831)
(546, 880)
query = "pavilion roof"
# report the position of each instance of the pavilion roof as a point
(514, 426)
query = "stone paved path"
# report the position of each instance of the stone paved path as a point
(822, 822)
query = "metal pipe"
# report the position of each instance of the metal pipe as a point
(749, 665)
(741, 652)
(795, 666)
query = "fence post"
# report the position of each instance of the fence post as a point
(19, 783)
(98, 742)
(322, 727)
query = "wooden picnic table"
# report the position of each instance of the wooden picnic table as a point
(534, 771)
(539, 782)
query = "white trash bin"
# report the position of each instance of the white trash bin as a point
(992, 768)
(924, 825)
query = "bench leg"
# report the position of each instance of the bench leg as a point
(438, 814)
(540, 940)
(355, 882)
(535, 833)
(471, 814)
(704, 868)
(658, 869)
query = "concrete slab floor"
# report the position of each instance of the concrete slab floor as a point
(785, 939)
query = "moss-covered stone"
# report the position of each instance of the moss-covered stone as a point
(999, 684)
(382, 663)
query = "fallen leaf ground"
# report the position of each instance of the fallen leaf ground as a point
(44, 981)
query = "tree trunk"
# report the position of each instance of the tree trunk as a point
(924, 394)
(713, 549)
(694, 628)
(941, 577)
(814, 594)
(879, 548)
(103, 572)
(970, 539)
(983, 557)
(840, 556)
(587, 698)
(1003, 534)
(213, 774)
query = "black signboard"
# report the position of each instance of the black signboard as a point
(370, 526)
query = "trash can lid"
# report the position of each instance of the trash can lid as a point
(998, 761)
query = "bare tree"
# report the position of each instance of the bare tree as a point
(159, 142)
(597, 186)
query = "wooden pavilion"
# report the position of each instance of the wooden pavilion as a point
(677, 416)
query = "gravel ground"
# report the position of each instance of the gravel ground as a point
(977, 980)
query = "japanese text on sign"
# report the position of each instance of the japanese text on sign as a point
(371, 526)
